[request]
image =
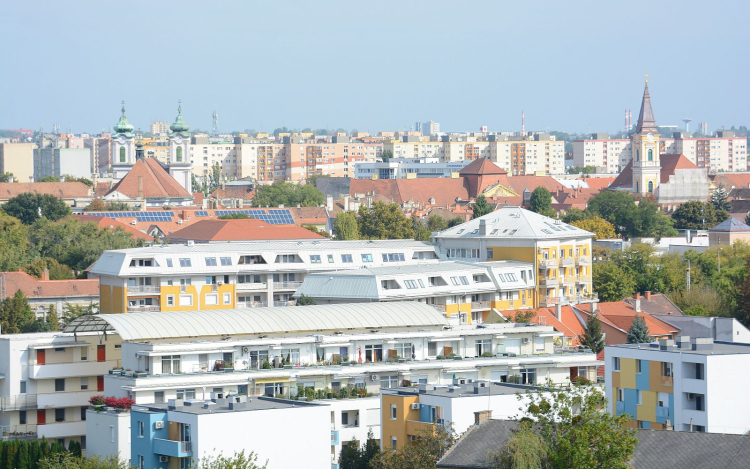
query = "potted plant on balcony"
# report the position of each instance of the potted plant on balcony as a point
(140, 374)
(128, 372)
(97, 402)
(116, 371)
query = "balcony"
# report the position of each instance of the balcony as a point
(66, 399)
(19, 432)
(242, 287)
(583, 260)
(334, 437)
(143, 290)
(144, 309)
(550, 282)
(71, 369)
(480, 305)
(567, 261)
(440, 308)
(285, 303)
(548, 263)
(18, 402)
(286, 285)
(176, 449)
(62, 429)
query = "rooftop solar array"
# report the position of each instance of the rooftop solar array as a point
(274, 217)
(201, 213)
(140, 216)
(153, 216)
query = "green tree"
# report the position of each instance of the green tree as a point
(611, 282)
(350, 456)
(27, 207)
(384, 221)
(436, 223)
(305, 300)
(288, 194)
(316, 230)
(601, 228)
(650, 221)
(525, 449)
(346, 227)
(387, 155)
(700, 300)
(617, 207)
(370, 450)
(56, 270)
(593, 336)
(5, 177)
(234, 216)
(523, 316)
(67, 460)
(573, 214)
(719, 200)
(15, 314)
(541, 202)
(481, 207)
(237, 461)
(53, 320)
(421, 233)
(422, 453)
(577, 429)
(71, 312)
(743, 310)
(455, 221)
(695, 215)
(638, 332)
(14, 243)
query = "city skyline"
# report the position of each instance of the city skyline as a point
(299, 66)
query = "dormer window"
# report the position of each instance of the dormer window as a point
(142, 263)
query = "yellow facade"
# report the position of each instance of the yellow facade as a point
(405, 416)
(113, 299)
(627, 373)
(657, 382)
(646, 411)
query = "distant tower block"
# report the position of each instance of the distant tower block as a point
(687, 124)
(523, 123)
(215, 128)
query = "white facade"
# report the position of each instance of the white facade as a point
(612, 155)
(352, 419)
(409, 168)
(108, 434)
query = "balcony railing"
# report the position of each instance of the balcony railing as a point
(547, 263)
(252, 304)
(286, 285)
(566, 261)
(583, 260)
(143, 289)
(334, 437)
(478, 305)
(20, 432)
(549, 281)
(143, 309)
(251, 286)
(18, 402)
(174, 448)
(440, 308)
(284, 303)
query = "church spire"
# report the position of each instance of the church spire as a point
(646, 122)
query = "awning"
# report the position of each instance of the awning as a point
(59, 345)
(146, 353)
(272, 380)
(337, 345)
(446, 339)
(549, 334)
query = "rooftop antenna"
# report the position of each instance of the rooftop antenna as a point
(523, 123)
(215, 127)
(687, 124)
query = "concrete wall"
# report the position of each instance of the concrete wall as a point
(108, 434)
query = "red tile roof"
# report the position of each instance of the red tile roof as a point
(63, 190)
(445, 191)
(621, 314)
(521, 183)
(112, 224)
(156, 183)
(670, 163)
(241, 230)
(598, 184)
(35, 288)
(309, 215)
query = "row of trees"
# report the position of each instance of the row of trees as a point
(30, 454)
(17, 317)
(380, 221)
(288, 194)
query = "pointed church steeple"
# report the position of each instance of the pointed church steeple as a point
(646, 122)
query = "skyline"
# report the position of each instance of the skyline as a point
(298, 65)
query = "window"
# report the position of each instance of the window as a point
(185, 262)
(169, 262)
(641, 423)
(410, 284)
(59, 415)
(388, 382)
(639, 395)
(366, 257)
(290, 356)
(344, 418)
(227, 298)
(393, 257)
(315, 259)
(700, 371)
(141, 429)
(159, 397)
(179, 155)
(489, 250)
(394, 443)
(666, 369)
(23, 387)
(84, 354)
(650, 157)
(212, 299)
(539, 344)
(374, 353)
(662, 399)
(185, 394)
(330, 258)
(84, 383)
(621, 394)
(403, 349)
(122, 154)
(211, 261)
(59, 385)
(617, 364)
(112, 439)
(22, 417)
(651, 185)
(483, 346)
(346, 258)
(170, 300)
(141, 461)
(186, 300)
(432, 349)
(528, 376)
(170, 364)
(394, 412)
(639, 366)
(226, 261)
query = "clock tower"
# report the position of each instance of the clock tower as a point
(180, 166)
(645, 145)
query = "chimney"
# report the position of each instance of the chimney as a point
(637, 304)
(647, 295)
(683, 342)
(637, 295)
(329, 203)
(346, 203)
(45, 274)
(482, 227)
(593, 308)
(558, 311)
(481, 416)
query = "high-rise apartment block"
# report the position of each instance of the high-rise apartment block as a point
(18, 159)
(159, 128)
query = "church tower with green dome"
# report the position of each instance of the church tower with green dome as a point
(122, 157)
(180, 167)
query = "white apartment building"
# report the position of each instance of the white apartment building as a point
(608, 155)
(48, 379)
(410, 168)
(466, 292)
(219, 276)
(697, 385)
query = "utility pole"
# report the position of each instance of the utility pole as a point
(688, 275)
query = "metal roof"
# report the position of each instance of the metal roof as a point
(514, 223)
(250, 321)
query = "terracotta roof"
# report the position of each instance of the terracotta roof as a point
(671, 162)
(198, 199)
(598, 184)
(156, 182)
(101, 188)
(112, 224)
(733, 180)
(482, 166)
(35, 288)
(63, 190)
(386, 188)
(657, 305)
(241, 230)
(309, 215)
(231, 192)
(625, 179)
(445, 191)
(521, 183)
(621, 314)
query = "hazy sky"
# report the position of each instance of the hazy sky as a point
(372, 65)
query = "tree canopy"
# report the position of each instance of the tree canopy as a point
(593, 337)
(541, 202)
(346, 227)
(422, 453)
(601, 228)
(638, 332)
(288, 194)
(29, 207)
(695, 215)
(481, 207)
(384, 221)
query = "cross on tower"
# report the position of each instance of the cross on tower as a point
(646, 75)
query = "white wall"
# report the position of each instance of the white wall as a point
(286, 437)
(99, 434)
(727, 381)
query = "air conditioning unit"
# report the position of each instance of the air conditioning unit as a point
(159, 424)
(691, 396)
(373, 378)
(163, 458)
(526, 340)
(461, 381)
(245, 349)
(179, 222)
(318, 338)
(134, 222)
(415, 406)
